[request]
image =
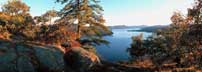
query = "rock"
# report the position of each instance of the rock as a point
(24, 64)
(26, 57)
(116, 67)
(52, 59)
(80, 60)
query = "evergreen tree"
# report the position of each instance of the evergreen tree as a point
(50, 14)
(87, 14)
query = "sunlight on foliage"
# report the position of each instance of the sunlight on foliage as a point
(178, 45)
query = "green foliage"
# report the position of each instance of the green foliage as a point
(180, 42)
(14, 7)
(88, 13)
(49, 15)
(40, 20)
(17, 24)
(54, 34)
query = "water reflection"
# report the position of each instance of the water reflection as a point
(119, 42)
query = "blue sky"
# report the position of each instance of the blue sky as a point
(124, 12)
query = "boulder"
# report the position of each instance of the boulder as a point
(29, 57)
(80, 60)
(26, 57)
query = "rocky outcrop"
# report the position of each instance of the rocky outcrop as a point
(21, 57)
(80, 60)
(115, 67)
(29, 57)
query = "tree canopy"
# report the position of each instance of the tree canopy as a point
(14, 7)
(180, 43)
(86, 13)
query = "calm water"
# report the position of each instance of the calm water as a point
(119, 42)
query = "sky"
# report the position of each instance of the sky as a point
(124, 12)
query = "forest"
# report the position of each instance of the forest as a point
(65, 41)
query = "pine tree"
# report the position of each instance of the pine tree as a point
(50, 14)
(87, 14)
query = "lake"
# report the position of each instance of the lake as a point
(119, 42)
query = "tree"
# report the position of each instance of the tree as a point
(195, 17)
(50, 14)
(181, 42)
(88, 14)
(40, 20)
(17, 20)
(195, 12)
(136, 48)
(14, 7)
(18, 12)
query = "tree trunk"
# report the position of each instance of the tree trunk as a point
(79, 20)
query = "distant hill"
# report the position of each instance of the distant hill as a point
(151, 28)
(124, 26)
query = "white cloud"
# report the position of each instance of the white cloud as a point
(157, 15)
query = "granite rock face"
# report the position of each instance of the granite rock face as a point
(21, 57)
(80, 60)
(27, 57)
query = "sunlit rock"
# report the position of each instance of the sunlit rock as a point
(80, 60)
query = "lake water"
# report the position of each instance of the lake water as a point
(119, 42)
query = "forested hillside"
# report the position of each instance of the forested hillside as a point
(176, 48)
